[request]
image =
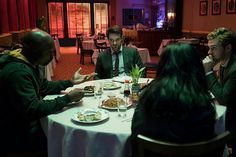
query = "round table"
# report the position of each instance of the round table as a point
(67, 138)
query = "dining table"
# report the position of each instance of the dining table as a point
(67, 137)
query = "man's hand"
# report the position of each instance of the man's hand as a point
(78, 78)
(208, 63)
(76, 95)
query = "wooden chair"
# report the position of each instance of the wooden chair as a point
(150, 68)
(213, 147)
(84, 52)
(78, 37)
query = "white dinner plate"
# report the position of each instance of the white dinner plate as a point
(113, 108)
(89, 93)
(111, 85)
(104, 116)
(122, 79)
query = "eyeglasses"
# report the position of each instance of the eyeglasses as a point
(115, 40)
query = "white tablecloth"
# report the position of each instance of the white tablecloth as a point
(57, 47)
(90, 45)
(52, 65)
(105, 139)
(49, 69)
(144, 54)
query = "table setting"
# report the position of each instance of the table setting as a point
(95, 126)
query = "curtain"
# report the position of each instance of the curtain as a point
(32, 13)
(26, 13)
(12, 15)
(4, 28)
(23, 14)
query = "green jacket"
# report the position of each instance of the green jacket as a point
(225, 92)
(22, 89)
(104, 67)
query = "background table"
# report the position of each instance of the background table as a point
(108, 138)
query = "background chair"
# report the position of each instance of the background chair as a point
(78, 37)
(100, 46)
(83, 52)
(213, 147)
(150, 68)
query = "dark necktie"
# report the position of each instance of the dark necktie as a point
(222, 72)
(116, 71)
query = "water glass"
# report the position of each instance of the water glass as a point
(121, 108)
(98, 89)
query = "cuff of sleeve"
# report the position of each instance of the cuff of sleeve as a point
(67, 98)
(208, 73)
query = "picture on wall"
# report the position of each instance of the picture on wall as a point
(230, 7)
(216, 7)
(203, 8)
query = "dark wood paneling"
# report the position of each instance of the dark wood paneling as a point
(152, 39)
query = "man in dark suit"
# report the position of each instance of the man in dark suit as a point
(222, 49)
(119, 59)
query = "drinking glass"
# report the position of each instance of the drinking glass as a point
(98, 89)
(122, 108)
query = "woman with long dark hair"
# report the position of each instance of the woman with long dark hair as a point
(176, 106)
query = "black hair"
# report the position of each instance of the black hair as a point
(180, 84)
(114, 29)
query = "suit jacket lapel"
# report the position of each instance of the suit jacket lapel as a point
(230, 67)
(125, 58)
(109, 59)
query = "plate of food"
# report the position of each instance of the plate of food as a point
(111, 103)
(111, 85)
(90, 115)
(88, 90)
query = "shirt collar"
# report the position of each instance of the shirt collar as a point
(121, 48)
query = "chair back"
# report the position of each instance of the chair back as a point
(100, 46)
(79, 42)
(213, 147)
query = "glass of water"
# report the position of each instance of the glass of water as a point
(121, 108)
(98, 89)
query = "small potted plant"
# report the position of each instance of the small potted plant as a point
(135, 73)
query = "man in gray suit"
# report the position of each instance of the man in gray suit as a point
(118, 59)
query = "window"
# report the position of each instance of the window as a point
(56, 18)
(100, 17)
(132, 16)
(79, 19)
(66, 19)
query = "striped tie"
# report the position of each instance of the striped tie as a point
(116, 71)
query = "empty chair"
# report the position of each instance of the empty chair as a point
(213, 147)
(150, 68)
(84, 52)
(78, 36)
